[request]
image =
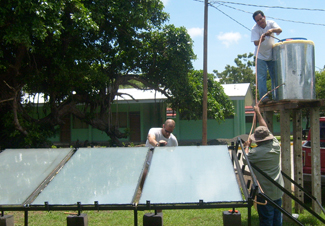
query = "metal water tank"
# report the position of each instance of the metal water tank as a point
(295, 69)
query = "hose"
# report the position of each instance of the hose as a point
(258, 102)
(254, 117)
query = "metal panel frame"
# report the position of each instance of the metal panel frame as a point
(106, 175)
(188, 174)
(246, 203)
(48, 177)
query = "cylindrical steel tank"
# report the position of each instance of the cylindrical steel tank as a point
(295, 68)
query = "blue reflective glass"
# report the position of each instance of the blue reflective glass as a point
(106, 175)
(187, 174)
(23, 170)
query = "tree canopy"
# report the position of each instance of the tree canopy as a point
(241, 73)
(78, 53)
(320, 83)
(219, 105)
(319, 86)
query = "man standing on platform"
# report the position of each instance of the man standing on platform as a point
(265, 29)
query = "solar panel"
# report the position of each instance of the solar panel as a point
(23, 170)
(187, 174)
(106, 175)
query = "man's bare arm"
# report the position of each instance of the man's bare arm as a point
(259, 116)
(273, 30)
(152, 139)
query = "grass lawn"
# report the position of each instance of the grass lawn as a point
(202, 217)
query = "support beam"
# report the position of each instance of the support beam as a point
(268, 117)
(297, 157)
(315, 157)
(284, 106)
(286, 155)
(205, 77)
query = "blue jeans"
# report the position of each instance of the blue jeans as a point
(269, 215)
(262, 67)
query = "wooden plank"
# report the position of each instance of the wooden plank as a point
(290, 105)
(315, 157)
(286, 155)
(268, 117)
(297, 158)
(284, 106)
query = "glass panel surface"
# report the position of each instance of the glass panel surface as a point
(189, 174)
(23, 170)
(106, 175)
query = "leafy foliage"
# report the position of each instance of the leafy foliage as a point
(37, 136)
(241, 73)
(320, 84)
(78, 53)
(219, 105)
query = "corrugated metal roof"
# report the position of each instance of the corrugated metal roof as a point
(234, 91)
(142, 96)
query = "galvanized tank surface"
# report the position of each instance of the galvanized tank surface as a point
(295, 68)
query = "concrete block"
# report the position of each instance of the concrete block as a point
(150, 219)
(231, 218)
(77, 220)
(7, 220)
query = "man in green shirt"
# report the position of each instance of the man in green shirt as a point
(266, 156)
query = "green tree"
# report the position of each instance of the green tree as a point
(241, 73)
(319, 87)
(219, 105)
(78, 53)
(320, 83)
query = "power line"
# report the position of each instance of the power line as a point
(293, 21)
(229, 17)
(278, 7)
(300, 22)
(225, 14)
(221, 3)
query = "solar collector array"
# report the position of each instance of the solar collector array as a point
(184, 174)
(23, 170)
(188, 174)
(106, 175)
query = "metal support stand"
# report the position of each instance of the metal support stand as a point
(290, 195)
(26, 217)
(135, 217)
(287, 192)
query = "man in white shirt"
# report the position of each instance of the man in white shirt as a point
(162, 136)
(265, 29)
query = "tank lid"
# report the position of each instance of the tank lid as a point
(296, 41)
(290, 39)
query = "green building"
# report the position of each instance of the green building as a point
(148, 109)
